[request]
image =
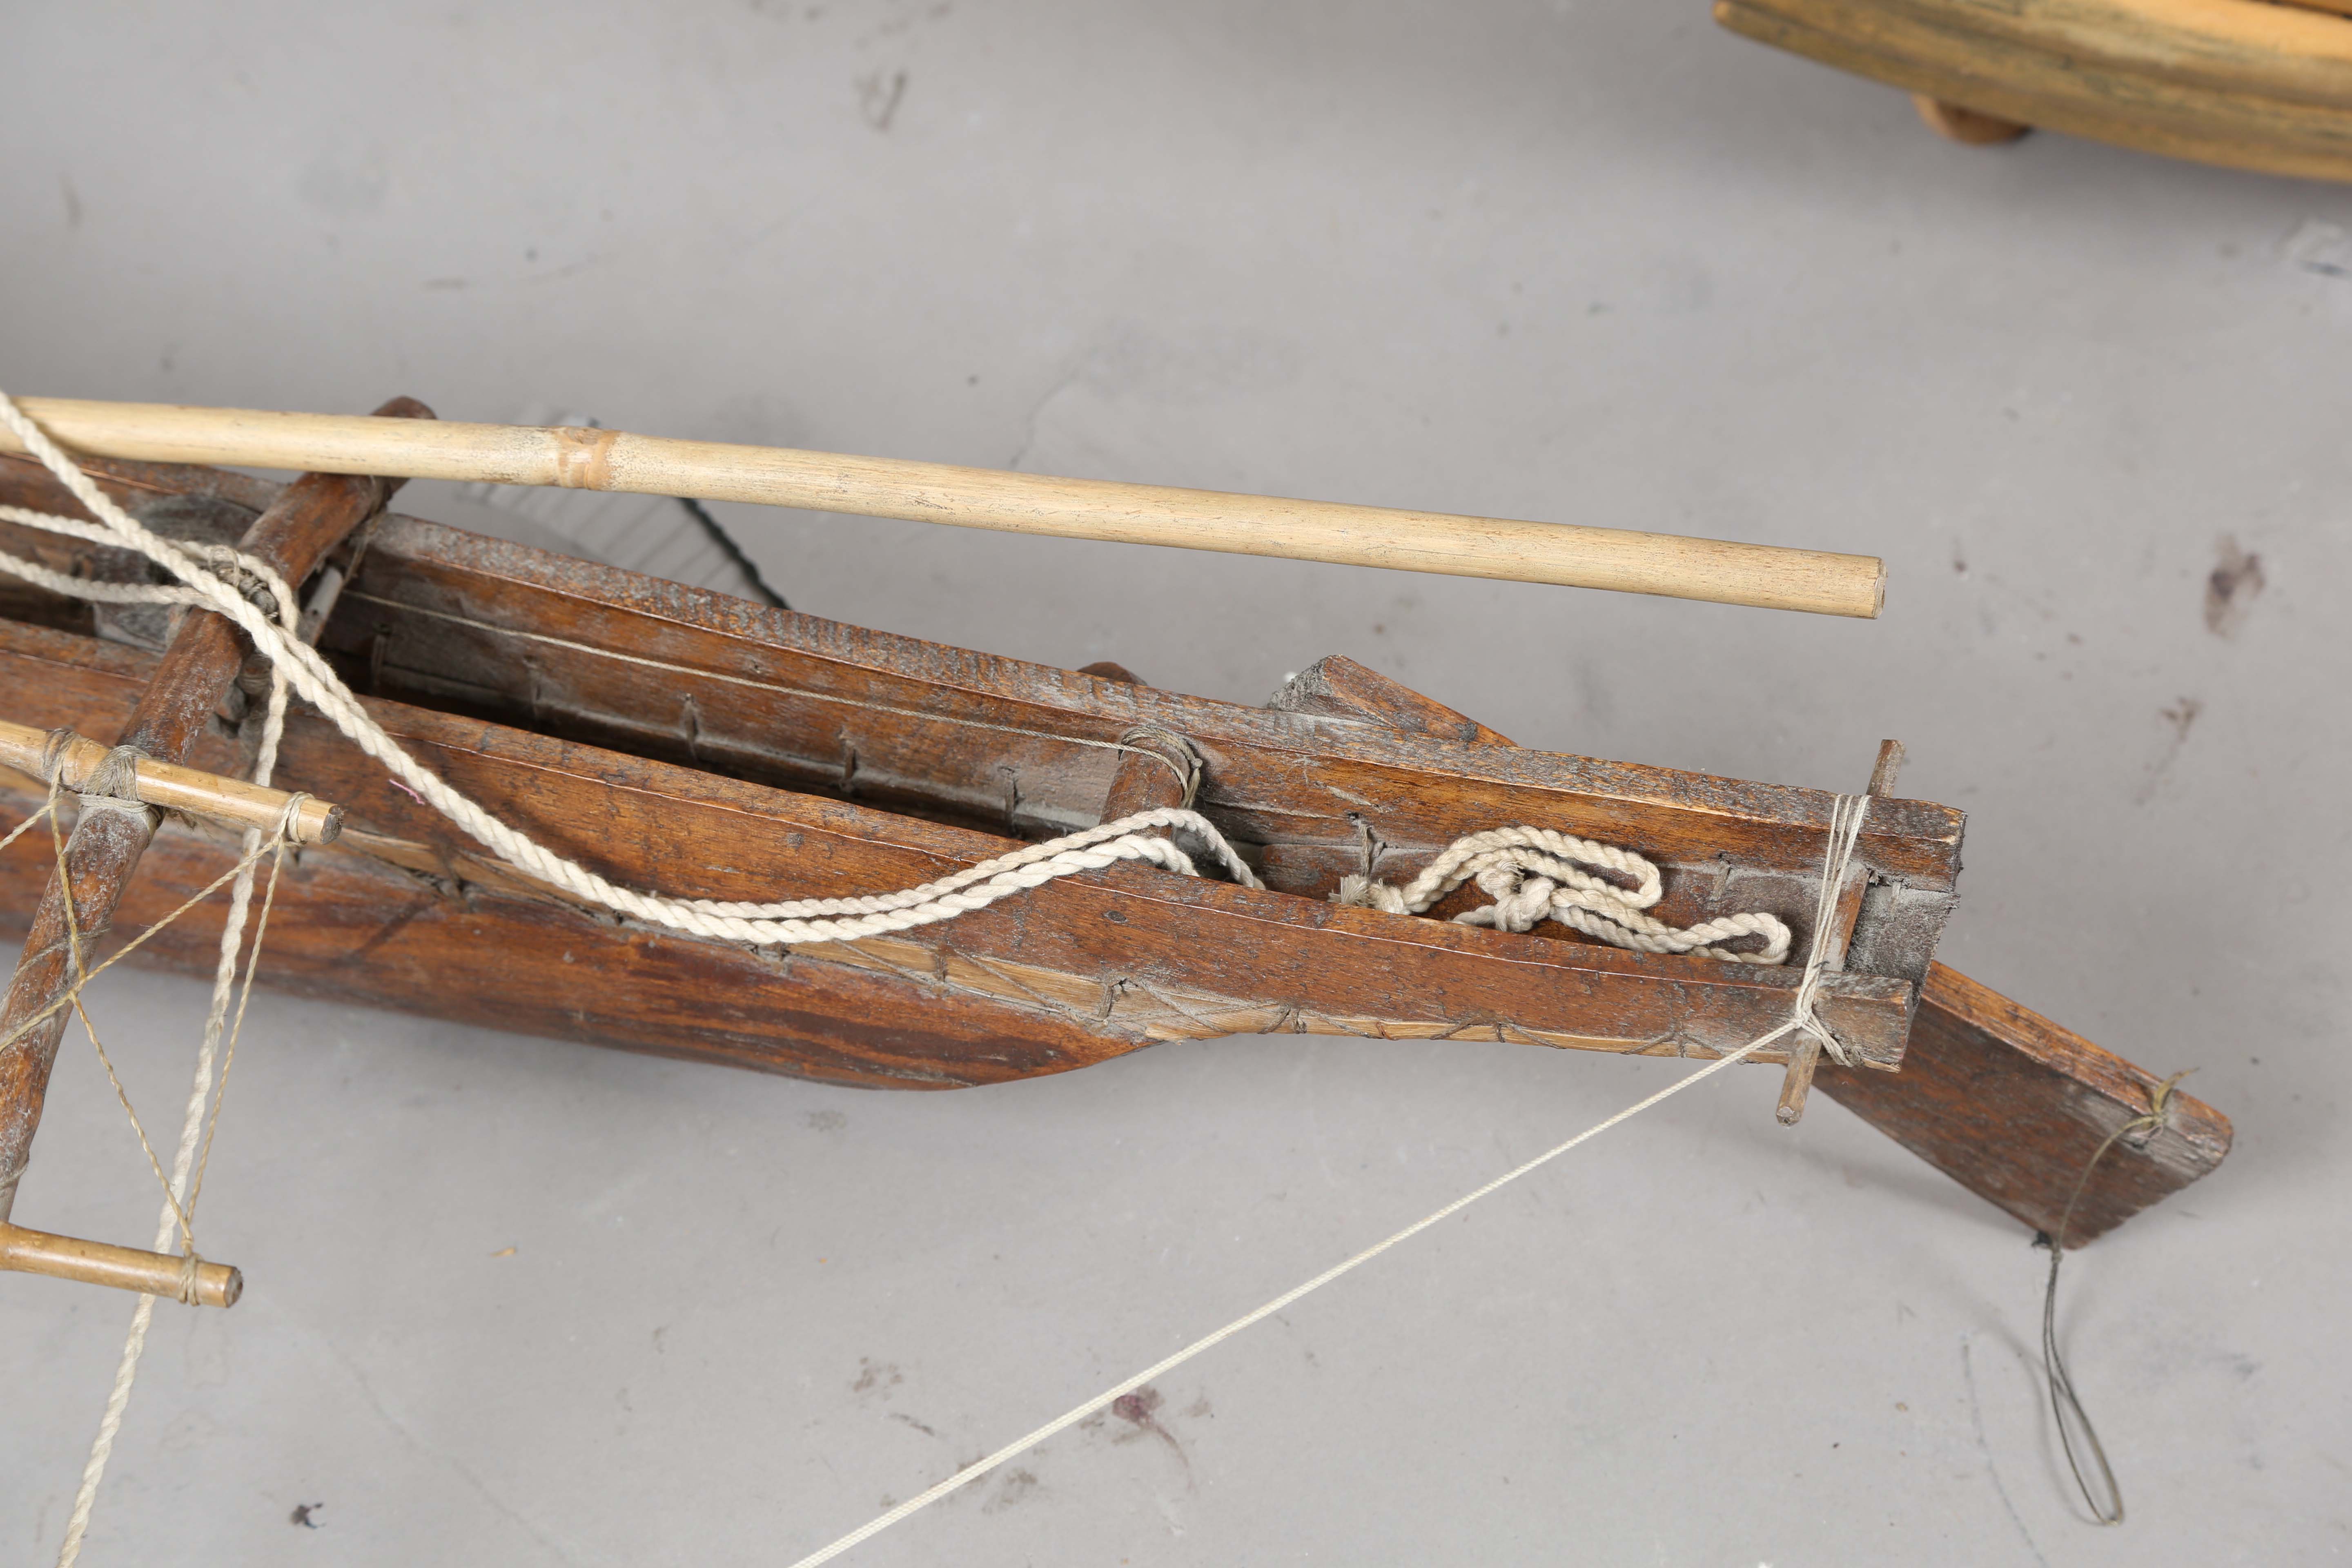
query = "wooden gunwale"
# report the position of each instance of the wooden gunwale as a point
(1254, 954)
(1291, 789)
(2243, 83)
(499, 589)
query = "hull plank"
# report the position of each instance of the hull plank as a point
(2013, 1107)
(1131, 952)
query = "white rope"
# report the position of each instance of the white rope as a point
(180, 1194)
(264, 574)
(788, 923)
(1535, 872)
(1845, 825)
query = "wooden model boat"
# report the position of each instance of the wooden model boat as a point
(2254, 84)
(672, 737)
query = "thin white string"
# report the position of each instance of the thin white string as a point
(179, 1196)
(1845, 825)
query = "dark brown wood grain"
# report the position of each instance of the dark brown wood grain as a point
(452, 621)
(2006, 1102)
(2013, 1107)
(1133, 953)
(1337, 687)
(86, 880)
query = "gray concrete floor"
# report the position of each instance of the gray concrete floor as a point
(521, 1301)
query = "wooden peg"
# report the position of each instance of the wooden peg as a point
(1969, 126)
(1887, 769)
(24, 1251)
(1805, 1055)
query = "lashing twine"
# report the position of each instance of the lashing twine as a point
(2106, 1505)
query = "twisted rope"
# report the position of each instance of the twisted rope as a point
(1534, 873)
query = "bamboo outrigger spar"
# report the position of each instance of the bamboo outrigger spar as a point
(674, 738)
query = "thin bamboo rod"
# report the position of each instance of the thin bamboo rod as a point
(173, 787)
(1764, 575)
(25, 1251)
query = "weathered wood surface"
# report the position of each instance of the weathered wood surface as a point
(457, 622)
(1123, 956)
(638, 666)
(2006, 1102)
(75, 908)
(566, 647)
(2013, 1107)
(1337, 687)
(2239, 83)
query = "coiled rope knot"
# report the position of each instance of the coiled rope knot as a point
(185, 1292)
(1533, 874)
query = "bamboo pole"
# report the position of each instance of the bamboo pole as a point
(24, 1251)
(1628, 560)
(171, 786)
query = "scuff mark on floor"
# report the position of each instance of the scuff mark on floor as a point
(2232, 587)
(2181, 715)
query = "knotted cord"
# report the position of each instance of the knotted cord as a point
(1534, 872)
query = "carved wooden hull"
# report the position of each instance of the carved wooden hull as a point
(672, 739)
(2247, 83)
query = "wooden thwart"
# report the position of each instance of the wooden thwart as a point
(231, 802)
(24, 1251)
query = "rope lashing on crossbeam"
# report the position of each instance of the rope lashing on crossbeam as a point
(263, 585)
(1532, 873)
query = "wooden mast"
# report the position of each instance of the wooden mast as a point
(1623, 559)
